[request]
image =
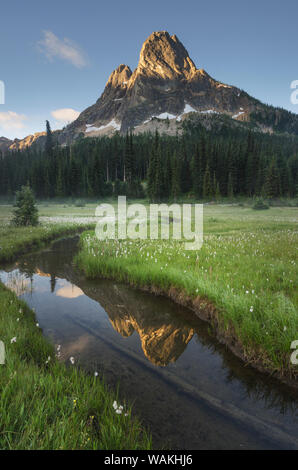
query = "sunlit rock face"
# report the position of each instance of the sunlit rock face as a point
(22, 144)
(165, 344)
(38, 139)
(162, 342)
(164, 56)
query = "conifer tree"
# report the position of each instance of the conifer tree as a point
(25, 210)
(98, 177)
(230, 186)
(272, 181)
(49, 141)
(175, 189)
(217, 192)
(59, 183)
(186, 180)
(158, 180)
(128, 158)
(167, 175)
(151, 176)
(197, 173)
(207, 185)
(46, 182)
(154, 176)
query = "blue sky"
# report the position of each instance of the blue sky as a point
(58, 55)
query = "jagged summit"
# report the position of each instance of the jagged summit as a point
(119, 77)
(165, 56)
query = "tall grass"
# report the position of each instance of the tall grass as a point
(46, 405)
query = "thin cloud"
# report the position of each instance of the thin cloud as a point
(10, 121)
(64, 49)
(65, 114)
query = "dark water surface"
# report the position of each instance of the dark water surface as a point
(188, 389)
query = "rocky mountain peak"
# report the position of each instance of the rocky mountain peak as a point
(165, 87)
(119, 77)
(165, 56)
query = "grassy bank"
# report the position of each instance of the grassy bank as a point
(43, 403)
(46, 405)
(15, 241)
(246, 269)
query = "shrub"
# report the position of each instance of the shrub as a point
(79, 203)
(260, 205)
(25, 212)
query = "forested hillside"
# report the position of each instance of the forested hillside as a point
(205, 164)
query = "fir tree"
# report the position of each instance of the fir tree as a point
(272, 182)
(128, 159)
(154, 176)
(197, 173)
(158, 180)
(217, 192)
(175, 189)
(59, 184)
(186, 181)
(151, 177)
(207, 185)
(230, 186)
(49, 141)
(25, 212)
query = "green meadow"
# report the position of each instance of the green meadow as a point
(246, 269)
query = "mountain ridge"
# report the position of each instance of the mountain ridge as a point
(163, 91)
(165, 82)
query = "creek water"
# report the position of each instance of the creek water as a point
(185, 386)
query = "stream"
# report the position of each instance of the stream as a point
(188, 390)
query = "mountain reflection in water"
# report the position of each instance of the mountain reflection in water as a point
(163, 336)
